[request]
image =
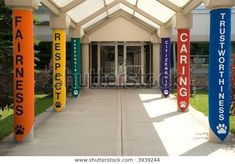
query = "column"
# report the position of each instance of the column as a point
(76, 61)
(183, 23)
(156, 60)
(85, 62)
(165, 61)
(143, 58)
(59, 24)
(219, 69)
(23, 58)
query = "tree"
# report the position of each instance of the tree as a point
(6, 57)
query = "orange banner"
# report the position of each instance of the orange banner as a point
(23, 74)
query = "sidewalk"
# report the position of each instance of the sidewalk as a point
(129, 122)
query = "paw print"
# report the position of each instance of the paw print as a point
(58, 105)
(221, 129)
(166, 92)
(75, 92)
(183, 104)
(19, 130)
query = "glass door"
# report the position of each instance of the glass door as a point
(133, 64)
(107, 64)
(120, 65)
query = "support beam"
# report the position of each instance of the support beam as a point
(219, 74)
(170, 5)
(183, 69)
(71, 5)
(156, 66)
(215, 4)
(76, 32)
(23, 74)
(191, 6)
(73, 24)
(165, 66)
(62, 21)
(136, 3)
(183, 24)
(85, 63)
(150, 17)
(105, 6)
(181, 21)
(54, 4)
(59, 69)
(164, 32)
(219, 69)
(97, 13)
(168, 24)
(50, 7)
(59, 25)
(24, 4)
(23, 57)
(76, 64)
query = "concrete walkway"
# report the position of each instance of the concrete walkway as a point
(120, 122)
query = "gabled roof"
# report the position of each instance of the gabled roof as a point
(87, 13)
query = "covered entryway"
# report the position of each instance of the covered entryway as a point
(121, 21)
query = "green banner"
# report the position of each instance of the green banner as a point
(76, 66)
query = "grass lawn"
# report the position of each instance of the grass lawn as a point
(200, 102)
(42, 102)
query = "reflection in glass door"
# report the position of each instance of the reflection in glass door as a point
(120, 64)
(107, 64)
(133, 64)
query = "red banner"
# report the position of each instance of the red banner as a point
(183, 69)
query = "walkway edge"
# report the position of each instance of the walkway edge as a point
(39, 120)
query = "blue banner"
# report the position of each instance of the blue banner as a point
(165, 67)
(75, 66)
(219, 72)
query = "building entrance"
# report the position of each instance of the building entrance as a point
(120, 64)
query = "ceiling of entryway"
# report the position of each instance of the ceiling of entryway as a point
(87, 13)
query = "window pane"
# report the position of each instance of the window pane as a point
(133, 2)
(62, 3)
(85, 9)
(146, 20)
(94, 63)
(94, 21)
(156, 9)
(114, 9)
(180, 3)
(109, 1)
(118, 7)
(126, 9)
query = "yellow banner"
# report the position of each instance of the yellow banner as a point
(59, 65)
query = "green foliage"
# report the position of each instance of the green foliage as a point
(200, 102)
(232, 111)
(200, 48)
(6, 38)
(42, 102)
(48, 79)
(44, 55)
(6, 27)
(6, 59)
(6, 56)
